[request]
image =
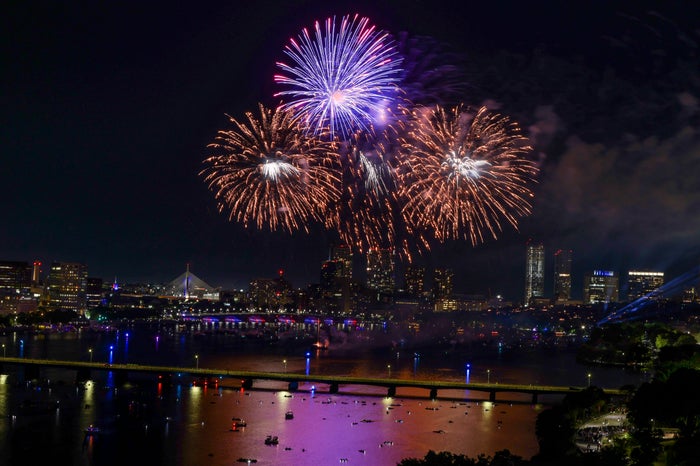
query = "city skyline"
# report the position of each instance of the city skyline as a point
(107, 114)
(382, 275)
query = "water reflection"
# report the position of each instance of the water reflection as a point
(173, 422)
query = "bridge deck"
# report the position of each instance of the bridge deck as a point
(291, 377)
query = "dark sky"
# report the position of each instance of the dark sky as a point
(106, 110)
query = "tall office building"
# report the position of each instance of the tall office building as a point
(342, 254)
(66, 286)
(36, 272)
(15, 283)
(413, 280)
(642, 283)
(442, 283)
(602, 286)
(335, 286)
(94, 292)
(562, 275)
(534, 272)
(380, 270)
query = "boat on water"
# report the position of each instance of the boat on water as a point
(271, 440)
(289, 415)
(239, 422)
(92, 430)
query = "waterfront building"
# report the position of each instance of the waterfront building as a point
(94, 292)
(36, 273)
(562, 275)
(15, 284)
(66, 287)
(335, 286)
(534, 272)
(443, 280)
(380, 270)
(342, 254)
(442, 283)
(643, 283)
(413, 280)
(601, 286)
(270, 294)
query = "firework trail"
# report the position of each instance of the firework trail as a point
(342, 78)
(463, 174)
(268, 174)
(365, 213)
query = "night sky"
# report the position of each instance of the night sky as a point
(107, 108)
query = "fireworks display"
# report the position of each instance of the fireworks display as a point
(365, 211)
(462, 174)
(342, 78)
(323, 156)
(269, 174)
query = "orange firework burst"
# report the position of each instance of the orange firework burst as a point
(269, 174)
(462, 174)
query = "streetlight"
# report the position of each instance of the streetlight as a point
(589, 379)
(488, 376)
(388, 368)
(196, 360)
(4, 350)
(284, 361)
(90, 351)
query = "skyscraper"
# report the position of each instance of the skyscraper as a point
(602, 286)
(413, 280)
(66, 286)
(442, 283)
(342, 253)
(562, 275)
(642, 283)
(380, 270)
(15, 282)
(534, 272)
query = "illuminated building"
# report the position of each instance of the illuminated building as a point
(335, 286)
(94, 292)
(380, 270)
(15, 283)
(66, 286)
(534, 272)
(413, 280)
(602, 286)
(643, 283)
(36, 272)
(442, 283)
(562, 275)
(342, 254)
(442, 290)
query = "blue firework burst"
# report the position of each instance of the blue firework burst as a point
(342, 78)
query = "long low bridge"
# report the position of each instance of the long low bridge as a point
(334, 382)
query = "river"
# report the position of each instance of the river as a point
(147, 422)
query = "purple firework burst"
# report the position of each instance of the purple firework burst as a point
(342, 77)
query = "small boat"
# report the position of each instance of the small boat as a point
(92, 430)
(289, 415)
(239, 422)
(247, 460)
(271, 440)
